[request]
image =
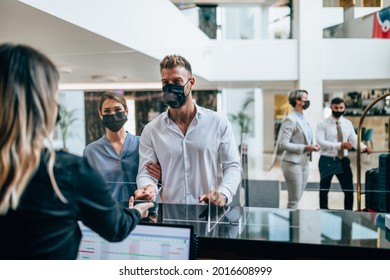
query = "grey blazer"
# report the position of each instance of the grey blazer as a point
(293, 140)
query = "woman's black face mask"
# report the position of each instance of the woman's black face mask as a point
(114, 122)
(306, 105)
(174, 95)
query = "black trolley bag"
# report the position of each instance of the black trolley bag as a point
(371, 189)
(384, 183)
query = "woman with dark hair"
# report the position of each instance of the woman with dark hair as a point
(44, 193)
(115, 155)
(296, 142)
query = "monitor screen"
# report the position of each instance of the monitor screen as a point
(146, 242)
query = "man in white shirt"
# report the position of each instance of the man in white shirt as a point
(336, 135)
(191, 143)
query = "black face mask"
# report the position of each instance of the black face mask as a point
(306, 105)
(174, 95)
(337, 114)
(114, 122)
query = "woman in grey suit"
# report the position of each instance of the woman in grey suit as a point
(296, 142)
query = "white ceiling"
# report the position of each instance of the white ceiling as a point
(87, 54)
(186, 3)
(69, 46)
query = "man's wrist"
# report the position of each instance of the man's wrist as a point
(226, 198)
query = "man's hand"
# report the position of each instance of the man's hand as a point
(367, 150)
(346, 145)
(154, 169)
(214, 197)
(146, 193)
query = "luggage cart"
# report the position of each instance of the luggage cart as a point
(359, 151)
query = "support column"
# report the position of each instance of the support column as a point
(308, 31)
(269, 122)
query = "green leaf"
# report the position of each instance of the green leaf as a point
(242, 118)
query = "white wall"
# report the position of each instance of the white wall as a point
(254, 60)
(355, 59)
(277, 60)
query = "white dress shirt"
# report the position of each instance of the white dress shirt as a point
(305, 126)
(326, 136)
(191, 164)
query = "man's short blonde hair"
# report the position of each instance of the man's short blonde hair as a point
(173, 61)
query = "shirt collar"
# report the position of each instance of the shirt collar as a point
(199, 111)
(299, 115)
(334, 120)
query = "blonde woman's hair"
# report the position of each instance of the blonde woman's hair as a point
(28, 102)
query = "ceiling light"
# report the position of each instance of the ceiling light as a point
(104, 78)
(110, 86)
(65, 69)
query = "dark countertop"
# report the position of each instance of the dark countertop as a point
(271, 233)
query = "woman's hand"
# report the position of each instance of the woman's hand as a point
(154, 169)
(312, 148)
(142, 208)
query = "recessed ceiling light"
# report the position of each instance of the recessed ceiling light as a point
(65, 69)
(110, 86)
(104, 78)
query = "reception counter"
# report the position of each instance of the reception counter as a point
(269, 233)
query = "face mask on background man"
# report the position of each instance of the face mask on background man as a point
(114, 122)
(337, 114)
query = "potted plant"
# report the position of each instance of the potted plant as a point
(243, 119)
(67, 118)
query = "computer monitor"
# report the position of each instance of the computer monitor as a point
(146, 242)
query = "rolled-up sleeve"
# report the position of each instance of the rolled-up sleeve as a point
(146, 154)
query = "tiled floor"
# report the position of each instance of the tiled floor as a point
(259, 170)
